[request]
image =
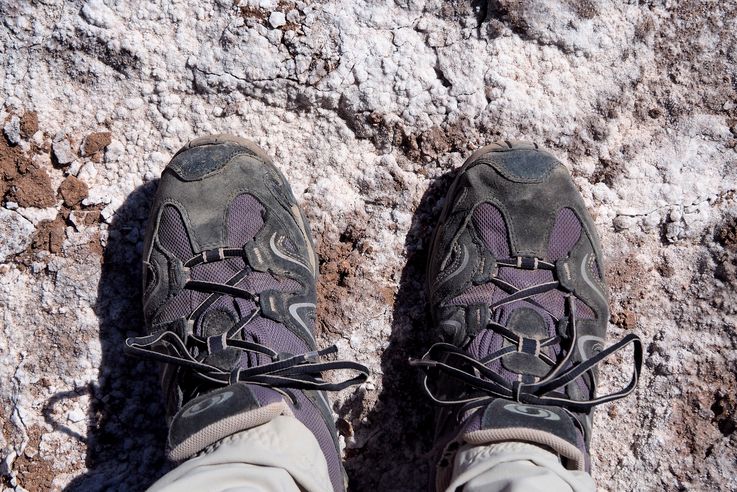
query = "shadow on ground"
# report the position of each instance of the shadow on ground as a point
(127, 431)
(396, 440)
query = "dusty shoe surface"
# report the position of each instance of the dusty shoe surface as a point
(229, 301)
(516, 290)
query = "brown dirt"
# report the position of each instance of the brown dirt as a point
(35, 472)
(726, 235)
(625, 278)
(50, 235)
(21, 181)
(28, 124)
(73, 191)
(10, 158)
(338, 261)
(428, 145)
(33, 189)
(95, 142)
(625, 319)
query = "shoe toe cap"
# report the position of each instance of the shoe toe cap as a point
(526, 164)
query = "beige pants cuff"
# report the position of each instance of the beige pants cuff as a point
(514, 467)
(281, 455)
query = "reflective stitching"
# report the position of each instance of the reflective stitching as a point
(284, 256)
(293, 312)
(585, 276)
(464, 262)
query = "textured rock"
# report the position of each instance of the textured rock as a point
(367, 108)
(15, 232)
(12, 130)
(73, 191)
(63, 151)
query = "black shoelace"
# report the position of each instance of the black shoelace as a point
(184, 348)
(485, 385)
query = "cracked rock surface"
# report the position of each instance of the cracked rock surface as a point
(367, 107)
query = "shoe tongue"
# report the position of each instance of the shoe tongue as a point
(526, 321)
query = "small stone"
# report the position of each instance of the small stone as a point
(11, 205)
(630, 319)
(73, 191)
(98, 14)
(95, 142)
(50, 235)
(277, 19)
(114, 151)
(30, 452)
(107, 213)
(38, 215)
(29, 124)
(88, 172)
(293, 16)
(62, 152)
(75, 415)
(33, 189)
(623, 222)
(74, 168)
(12, 130)
(15, 231)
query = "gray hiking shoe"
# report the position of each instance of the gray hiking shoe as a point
(229, 301)
(517, 293)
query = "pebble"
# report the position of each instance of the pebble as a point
(12, 130)
(16, 233)
(63, 151)
(277, 19)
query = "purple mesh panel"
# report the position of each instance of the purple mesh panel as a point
(244, 220)
(219, 271)
(173, 234)
(491, 226)
(178, 307)
(289, 245)
(583, 311)
(485, 343)
(273, 335)
(245, 307)
(265, 395)
(525, 278)
(553, 300)
(478, 294)
(261, 281)
(565, 234)
(473, 422)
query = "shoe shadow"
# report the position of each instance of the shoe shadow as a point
(396, 439)
(126, 427)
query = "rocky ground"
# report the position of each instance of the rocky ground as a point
(368, 107)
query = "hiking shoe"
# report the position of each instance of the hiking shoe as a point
(229, 301)
(517, 293)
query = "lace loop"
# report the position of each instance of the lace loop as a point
(300, 371)
(484, 384)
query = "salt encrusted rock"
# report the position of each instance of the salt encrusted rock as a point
(16, 233)
(63, 151)
(277, 19)
(94, 143)
(12, 130)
